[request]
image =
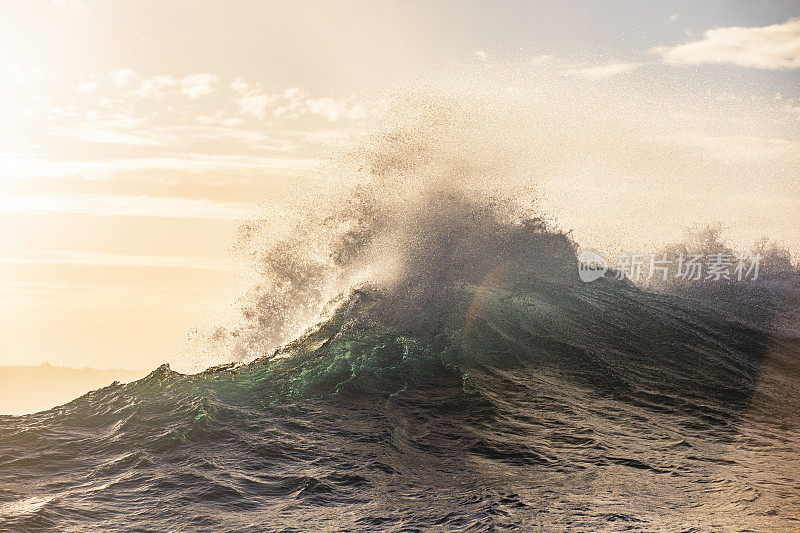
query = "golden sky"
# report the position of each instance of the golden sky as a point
(134, 136)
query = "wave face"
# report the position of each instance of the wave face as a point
(460, 376)
(533, 401)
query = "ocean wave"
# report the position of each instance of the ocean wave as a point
(416, 350)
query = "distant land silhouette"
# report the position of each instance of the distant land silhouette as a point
(29, 389)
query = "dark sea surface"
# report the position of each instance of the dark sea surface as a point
(522, 403)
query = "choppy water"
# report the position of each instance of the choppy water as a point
(461, 378)
(559, 405)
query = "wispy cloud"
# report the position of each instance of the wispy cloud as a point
(602, 71)
(768, 47)
(256, 104)
(123, 77)
(83, 295)
(198, 85)
(69, 257)
(129, 206)
(295, 102)
(138, 86)
(253, 100)
(155, 87)
(16, 166)
(104, 133)
(87, 87)
(331, 109)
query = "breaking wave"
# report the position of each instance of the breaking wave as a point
(414, 351)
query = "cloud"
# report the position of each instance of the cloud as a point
(91, 295)
(296, 103)
(328, 108)
(602, 71)
(240, 86)
(207, 119)
(87, 87)
(256, 104)
(18, 166)
(129, 206)
(123, 77)
(70, 257)
(148, 87)
(106, 133)
(766, 47)
(198, 85)
(154, 87)
(254, 101)
(294, 98)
